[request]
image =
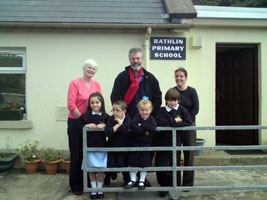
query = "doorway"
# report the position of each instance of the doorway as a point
(236, 93)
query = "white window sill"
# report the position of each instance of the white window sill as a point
(20, 124)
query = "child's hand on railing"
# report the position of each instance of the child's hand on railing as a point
(91, 125)
(99, 126)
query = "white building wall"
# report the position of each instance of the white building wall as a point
(54, 58)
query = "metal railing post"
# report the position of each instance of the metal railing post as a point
(84, 163)
(174, 192)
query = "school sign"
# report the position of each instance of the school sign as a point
(168, 48)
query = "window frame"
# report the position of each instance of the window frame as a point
(14, 70)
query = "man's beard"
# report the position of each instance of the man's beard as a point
(136, 68)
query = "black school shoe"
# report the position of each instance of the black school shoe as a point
(141, 185)
(129, 185)
(100, 195)
(93, 196)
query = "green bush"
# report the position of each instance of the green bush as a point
(29, 151)
(50, 154)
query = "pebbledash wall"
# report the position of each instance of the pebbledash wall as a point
(54, 58)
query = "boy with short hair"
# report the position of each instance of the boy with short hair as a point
(117, 129)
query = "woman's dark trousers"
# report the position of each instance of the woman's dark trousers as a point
(76, 155)
(188, 139)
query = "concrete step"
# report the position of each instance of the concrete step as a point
(220, 158)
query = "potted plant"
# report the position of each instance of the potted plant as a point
(66, 162)
(11, 111)
(51, 159)
(7, 159)
(30, 156)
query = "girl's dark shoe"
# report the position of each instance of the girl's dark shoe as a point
(100, 195)
(93, 196)
(141, 185)
(131, 184)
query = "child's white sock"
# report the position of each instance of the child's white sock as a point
(99, 185)
(93, 184)
(133, 176)
(142, 176)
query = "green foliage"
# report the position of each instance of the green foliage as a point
(10, 106)
(67, 159)
(29, 151)
(10, 60)
(50, 154)
(232, 3)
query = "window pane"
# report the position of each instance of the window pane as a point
(11, 59)
(12, 88)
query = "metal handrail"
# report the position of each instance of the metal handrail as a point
(174, 190)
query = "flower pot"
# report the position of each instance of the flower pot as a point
(31, 167)
(199, 142)
(7, 161)
(11, 115)
(52, 167)
(67, 166)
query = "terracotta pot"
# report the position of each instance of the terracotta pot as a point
(31, 167)
(67, 166)
(52, 167)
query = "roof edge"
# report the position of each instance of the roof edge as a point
(185, 24)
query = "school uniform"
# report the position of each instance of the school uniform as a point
(142, 137)
(166, 117)
(120, 138)
(95, 139)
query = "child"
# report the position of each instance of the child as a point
(173, 115)
(117, 129)
(143, 126)
(95, 118)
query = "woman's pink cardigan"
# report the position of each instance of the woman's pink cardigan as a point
(78, 95)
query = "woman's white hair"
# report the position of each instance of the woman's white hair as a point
(91, 63)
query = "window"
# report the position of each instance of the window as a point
(12, 75)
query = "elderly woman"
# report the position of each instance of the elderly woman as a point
(189, 100)
(78, 94)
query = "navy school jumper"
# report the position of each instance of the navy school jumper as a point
(164, 138)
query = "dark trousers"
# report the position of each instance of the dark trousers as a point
(76, 155)
(119, 159)
(164, 159)
(188, 139)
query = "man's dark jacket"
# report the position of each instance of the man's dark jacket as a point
(152, 89)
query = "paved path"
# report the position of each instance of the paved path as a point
(18, 185)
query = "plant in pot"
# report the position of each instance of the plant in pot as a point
(7, 158)
(30, 156)
(11, 111)
(51, 159)
(66, 162)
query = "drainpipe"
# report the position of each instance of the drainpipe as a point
(146, 47)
